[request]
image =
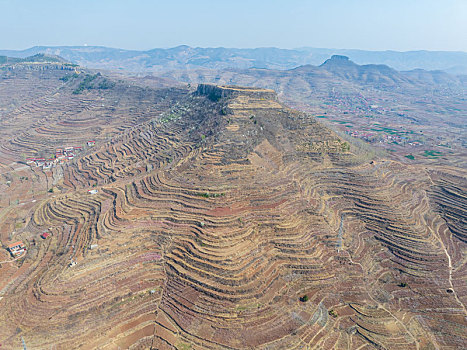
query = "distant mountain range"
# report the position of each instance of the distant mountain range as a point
(338, 72)
(185, 57)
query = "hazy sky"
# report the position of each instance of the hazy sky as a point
(143, 24)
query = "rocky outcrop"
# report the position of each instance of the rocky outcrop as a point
(215, 92)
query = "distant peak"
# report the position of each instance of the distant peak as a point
(338, 61)
(339, 58)
(180, 48)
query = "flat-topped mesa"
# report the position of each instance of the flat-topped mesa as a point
(216, 92)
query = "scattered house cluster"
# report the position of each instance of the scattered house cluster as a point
(382, 138)
(40, 162)
(93, 191)
(61, 155)
(367, 136)
(67, 153)
(17, 249)
(394, 139)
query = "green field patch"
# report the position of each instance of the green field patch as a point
(411, 157)
(182, 346)
(432, 153)
(387, 130)
(390, 130)
(246, 307)
(320, 116)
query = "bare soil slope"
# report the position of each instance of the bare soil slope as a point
(224, 220)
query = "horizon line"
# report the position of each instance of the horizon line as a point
(301, 48)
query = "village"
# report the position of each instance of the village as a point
(18, 249)
(383, 138)
(61, 155)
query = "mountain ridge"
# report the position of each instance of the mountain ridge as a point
(336, 69)
(184, 56)
(216, 218)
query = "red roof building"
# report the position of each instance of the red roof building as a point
(45, 235)
(17, 248)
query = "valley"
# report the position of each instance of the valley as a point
(417, 116)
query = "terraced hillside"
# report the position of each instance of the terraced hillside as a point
(228, 221)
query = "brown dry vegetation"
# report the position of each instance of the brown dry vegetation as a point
(217, 212)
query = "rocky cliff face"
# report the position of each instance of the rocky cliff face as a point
(217, 92)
